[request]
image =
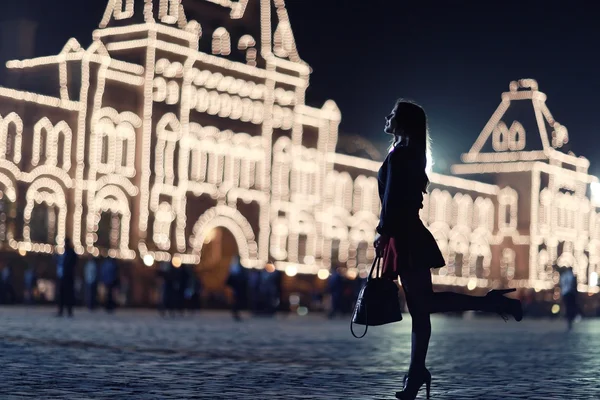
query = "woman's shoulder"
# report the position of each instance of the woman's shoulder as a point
(399, 155)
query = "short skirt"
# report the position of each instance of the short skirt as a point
(414, 248)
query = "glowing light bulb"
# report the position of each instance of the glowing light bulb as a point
(472, 284)
(148, 260)
(323, 274)
(176, 261)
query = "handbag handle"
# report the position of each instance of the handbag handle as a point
(376, 262)
(352, 329)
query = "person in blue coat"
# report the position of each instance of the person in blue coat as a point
(110, 279)
(65, 276)
(90, 275)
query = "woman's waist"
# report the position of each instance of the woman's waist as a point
(404, 226)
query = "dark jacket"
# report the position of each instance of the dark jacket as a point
(401, 183)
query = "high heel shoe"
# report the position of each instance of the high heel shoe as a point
(505, 305)
(412, 385)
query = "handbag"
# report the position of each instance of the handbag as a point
(377, 303)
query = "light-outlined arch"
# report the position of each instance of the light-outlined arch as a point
(117, 180)
(462, 210)
(483, 214)
(164, 217)
(458, 247)
(440, 207)
(362, 230)
(302, 226)
(247, 43)
(480, 257)
(112, 145)
(111, 199)
(361, 237)
(8, 197)
(236, 223)
(365, 197)
(10, 144)
(166, 164)
(48, 146)
(55, 172)
(282, 168)
(335, 228)
(7, 186)
(279, 238)
(566, 259)
(343, 191)
(50, 192)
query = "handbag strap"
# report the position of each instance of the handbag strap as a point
(376, 263)
(352, 328)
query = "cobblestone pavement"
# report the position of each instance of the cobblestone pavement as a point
(137, 354)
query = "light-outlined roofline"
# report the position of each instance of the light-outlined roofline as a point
(169, 12)
(276, 41)
(524, 89)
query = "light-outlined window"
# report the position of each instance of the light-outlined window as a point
(221, 42)
(507, 210)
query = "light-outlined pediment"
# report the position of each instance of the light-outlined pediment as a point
(521, 129)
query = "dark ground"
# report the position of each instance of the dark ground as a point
(137, 354)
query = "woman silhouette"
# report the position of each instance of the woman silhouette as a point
(408, 248)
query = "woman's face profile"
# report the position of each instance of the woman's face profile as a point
(391, 122)
(392, 128)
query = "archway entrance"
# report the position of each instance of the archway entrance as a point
(217, 251)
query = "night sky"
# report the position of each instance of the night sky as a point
(453, 57)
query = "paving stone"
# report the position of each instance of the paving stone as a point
(138, 354)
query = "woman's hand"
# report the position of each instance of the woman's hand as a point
(380, 243)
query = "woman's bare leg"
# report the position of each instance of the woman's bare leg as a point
(452, 302)
(418, 289)
(423, 301)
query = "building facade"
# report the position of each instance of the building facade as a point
(166, 128)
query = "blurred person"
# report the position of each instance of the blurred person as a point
(238, 282)
(181, 282)
(408, 248)
(254, 293)
(30, 281)
(270, 288)
(65, 275)
(90, 272)
(165, 273)
(8, 291)
(335, 289)
(568, 292)
(193, 290)
(277, 280)
(124, 290)
(110, 279)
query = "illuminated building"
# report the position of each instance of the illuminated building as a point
(165, 128)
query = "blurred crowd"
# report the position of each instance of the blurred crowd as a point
(259, 291)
